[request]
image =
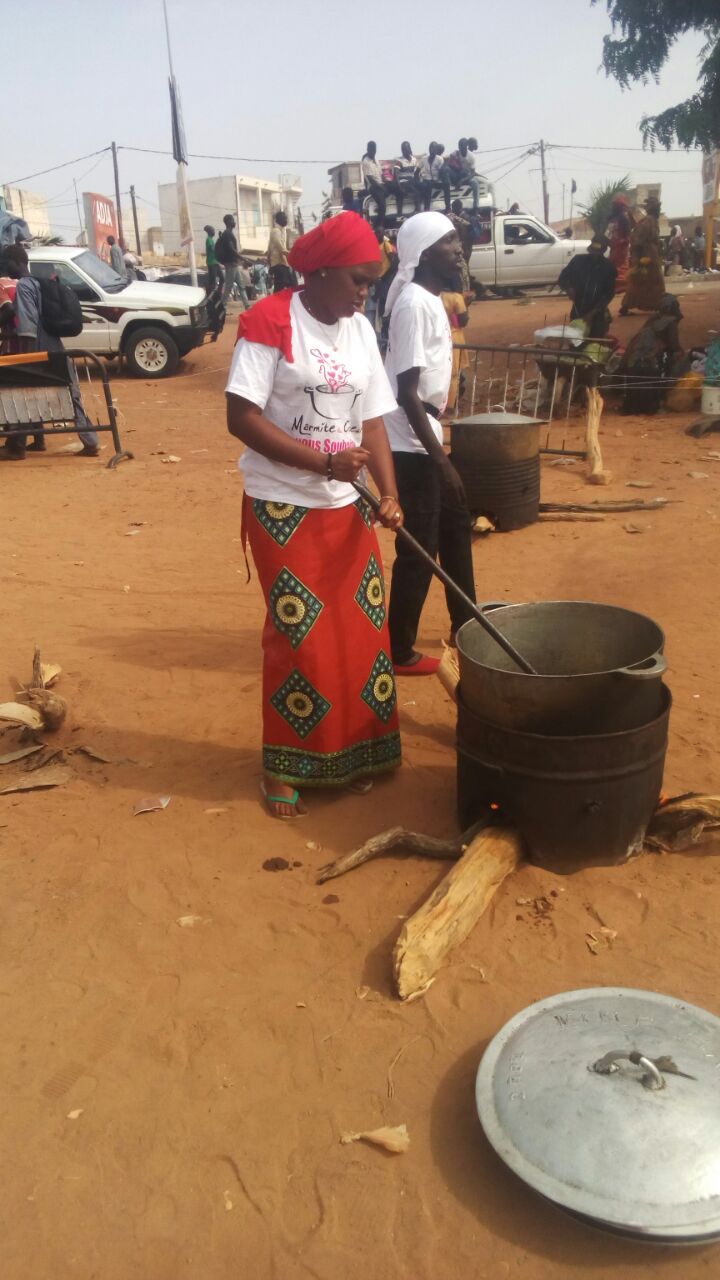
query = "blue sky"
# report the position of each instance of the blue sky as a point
(308, 81)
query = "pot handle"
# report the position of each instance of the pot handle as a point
(484, 605)
(649, 669)
(651, 1078)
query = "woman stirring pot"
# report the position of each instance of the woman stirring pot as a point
(306, 394)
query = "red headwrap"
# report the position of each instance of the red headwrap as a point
(343, 241)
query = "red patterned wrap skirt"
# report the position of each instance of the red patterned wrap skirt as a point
(329, 700)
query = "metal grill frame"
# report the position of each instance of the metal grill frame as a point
(43, 375)
(509, 373)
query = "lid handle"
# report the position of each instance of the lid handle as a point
(651, 1078)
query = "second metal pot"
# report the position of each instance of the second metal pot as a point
(599, 668)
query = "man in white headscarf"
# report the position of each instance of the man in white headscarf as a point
(419, 366)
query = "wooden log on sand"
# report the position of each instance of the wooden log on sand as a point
(569, 517)
(452, 911)
(596, 473)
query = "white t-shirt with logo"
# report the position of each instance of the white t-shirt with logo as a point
(335, 383)
(420, 338)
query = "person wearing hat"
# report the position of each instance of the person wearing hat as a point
(420, 365)
(589, 279)
(306, 395)
(646, 283)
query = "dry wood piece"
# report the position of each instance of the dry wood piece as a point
(449, 672)
(19, 714)
(610, 505)
(452, 911)
(682, 821)
(596, 472)
(52, 776)
(570, 517)
(387, 842)
(393, 1138)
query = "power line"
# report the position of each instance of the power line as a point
(606, 164)
(81, 178)
(512, 168)
(196, 155)
(54, 168)
(562, 146)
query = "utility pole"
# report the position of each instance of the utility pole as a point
(83, 236)
(121, 237)
(546, 197)
(135, 220)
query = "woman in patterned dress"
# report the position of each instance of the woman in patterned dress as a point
(306, 395)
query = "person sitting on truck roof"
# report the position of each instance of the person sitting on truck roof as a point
(406, 178)
(434, 174)
(462, 168)
(589, 279)
(372, 174)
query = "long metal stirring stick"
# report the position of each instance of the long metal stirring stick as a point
(440, 573)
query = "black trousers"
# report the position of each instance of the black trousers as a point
(215, 275)
(429, 189)
(442, 526)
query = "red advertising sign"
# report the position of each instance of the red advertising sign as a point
(100, 222)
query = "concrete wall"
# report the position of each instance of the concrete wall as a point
(251, 201)
(30, 206)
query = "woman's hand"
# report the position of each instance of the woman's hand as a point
(348, 464)
(390, 514)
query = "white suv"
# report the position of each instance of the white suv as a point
(150, 325)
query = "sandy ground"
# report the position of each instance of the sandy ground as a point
(174, 1091)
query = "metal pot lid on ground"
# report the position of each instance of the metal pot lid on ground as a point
(607, 1102)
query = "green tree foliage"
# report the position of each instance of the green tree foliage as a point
(597, 211)
(647, 31)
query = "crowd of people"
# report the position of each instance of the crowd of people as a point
(633, 267)
(416, 179)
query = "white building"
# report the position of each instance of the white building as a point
(251, 201)
(28, 205)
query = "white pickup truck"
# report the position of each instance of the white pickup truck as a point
(517, 251)
(150, 325)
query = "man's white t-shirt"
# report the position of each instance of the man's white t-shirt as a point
(335, 383)
(420, 338)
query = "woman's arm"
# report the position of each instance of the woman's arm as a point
(247, 423)
(409, 400)
(380, 466)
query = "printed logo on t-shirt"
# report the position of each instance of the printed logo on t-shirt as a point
(332, 399)
(335, 396)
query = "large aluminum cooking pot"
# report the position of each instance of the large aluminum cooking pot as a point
(599, 668)
(606, 1101)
